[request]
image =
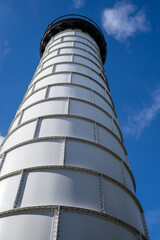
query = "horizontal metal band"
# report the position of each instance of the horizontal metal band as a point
(74, 41)
(72, 116)
(76, 99)
(67, 116)
(69, 35)
(74, 139)
(69, 54)
(68, 84)
(100, 75)
(70, 72)
(74, 47)
(130, 173)
(24, 210)
(73, 63)
(79, 169)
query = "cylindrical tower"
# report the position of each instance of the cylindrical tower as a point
(64, 169)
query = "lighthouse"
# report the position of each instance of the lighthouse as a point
(64, 170)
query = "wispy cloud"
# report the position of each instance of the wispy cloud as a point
(6, 48)
(153, 222)
(153, 217)
(143, 118)
(1, 139)
(5, 10)
(5, 16)
(78, 3)
(125, 20)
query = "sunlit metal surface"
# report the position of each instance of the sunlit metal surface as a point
(65, 172)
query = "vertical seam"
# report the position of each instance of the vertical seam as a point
(70, 78)
(20, 118)
(15, 205)
(123, 174)
(67, 105)
(37, 128)
(56, 227)
(52, 225)
(2, 160)
(53, 69)
(101, 194)
(89, 72)
(33, 87)
(63, 153)
(72, 57)
(95, 133)
(92, 96)
(58, 51)
(145, 226)
(47, 92)
(112, 125)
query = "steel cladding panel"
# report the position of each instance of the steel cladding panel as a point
(95, 59)
(15, 123)
(83, 78)
(43, 73)
(74, 38)
(50, 55)
(103, 104)
(80, 226)
(85, 35)
(61, 45)
(41, 153)
(88, 82)
(85, 47)
(90, 111)
(37, 96)
(67, 127)
(64, 153)
(117, 131)
(24, 133)
(108, 140)
(65, 33)
(52, 41)
(45, 108)
(28, 91)
(29, 226)
(61, 187)
(57, 59)
(69, 91)
(93, 158)
(120, 205)
(53, 79)
(72, 50)
(82, 40)
(8, 191)
(87, 62)
(71, 67)
(129, 181)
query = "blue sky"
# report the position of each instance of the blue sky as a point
(132, 32)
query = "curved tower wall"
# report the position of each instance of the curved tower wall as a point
(64, 169)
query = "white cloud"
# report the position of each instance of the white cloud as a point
(78, 3)
(5, 16)
(1, 139)
(6, 48)
(5, 10)
(138, 121)
(6, 51)
(153, 217)
(124, 20)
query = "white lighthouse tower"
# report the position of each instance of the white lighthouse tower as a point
(64, 171)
